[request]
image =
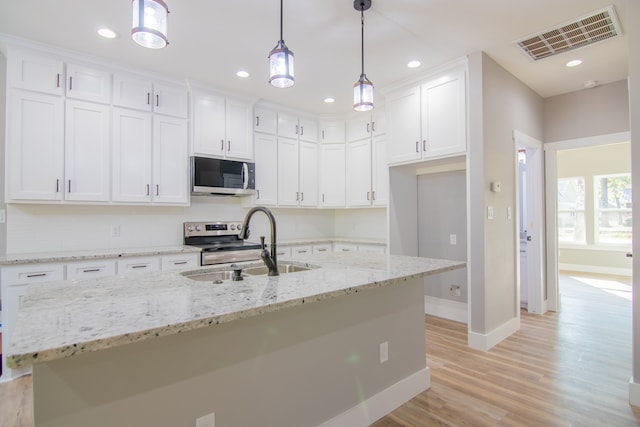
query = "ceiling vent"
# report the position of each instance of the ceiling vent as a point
(596, 27)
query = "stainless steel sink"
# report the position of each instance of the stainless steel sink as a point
(283, 268)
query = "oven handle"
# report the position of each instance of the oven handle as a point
(245, 176)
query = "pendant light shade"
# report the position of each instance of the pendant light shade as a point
(149, 27)
(281, 70)
(363, 88)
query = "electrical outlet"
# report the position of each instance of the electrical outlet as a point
(453, 239)
(3, 216)
(455, 290)
(490, 212)
(208, 420)
(384, 352)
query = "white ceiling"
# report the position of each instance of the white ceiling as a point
(211, 39)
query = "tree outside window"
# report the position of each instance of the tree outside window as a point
(613, 209)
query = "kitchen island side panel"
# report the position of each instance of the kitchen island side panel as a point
(298, 366)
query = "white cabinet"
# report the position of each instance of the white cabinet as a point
(91, 269)
(332, 132)
(379, 171)
(359, 173)
(367, 125)
(288, 193)
(88, 83)
(35, 146)
(321, 248)
(179, 261)
(14, 281)
(302, 128)
(86, 152)
(345, 247)
(221, 127)
(265, 120)
(150, 164)
(308, 174)
(35, 72)
(137, 92)
(428, 121)
(301, 250)
(137, 265)
(375, 249)
(266, 153)
(332, 175)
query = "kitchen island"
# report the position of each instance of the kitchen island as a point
(303, 348)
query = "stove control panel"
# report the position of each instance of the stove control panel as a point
(200, 229)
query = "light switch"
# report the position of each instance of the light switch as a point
(453, 239)
(490, 212)
(509, 212)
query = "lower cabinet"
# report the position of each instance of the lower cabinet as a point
(137, 265)
(345, 247)
(179, 261)
(91, 269)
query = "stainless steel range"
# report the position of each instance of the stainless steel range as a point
(220, 242)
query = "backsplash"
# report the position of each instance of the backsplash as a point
(44, 228)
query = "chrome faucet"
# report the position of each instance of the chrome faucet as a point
(270, 260)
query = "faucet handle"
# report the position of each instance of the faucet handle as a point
(262, 245)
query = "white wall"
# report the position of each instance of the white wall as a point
(3, 86)
(361, 223)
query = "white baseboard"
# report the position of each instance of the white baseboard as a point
(613, 271)
(379, 405)
(634, 393)
(484, 342)
(445, 308)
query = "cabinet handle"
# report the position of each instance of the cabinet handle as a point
(91, 270)
(346, 249)
(148, 98)
(257, 121)
(139, 266)
(179, 262)
(70, 82)
(301, 130)
(322, 197)
(229, 146)
(148, 190)
(417, 146)
(373, 126)
(297, 128)
(36, 275)
(58, 80)
(222, 145)
(69, 186)
(367, 127)
(322, 134)
(302, 251)
(424, 145)
(368, 195)
(157, 189)
(258, 195)
(157, 100)
(57, 185)
(373, 196)
(280, 253)
(297, 196)
(322, 250)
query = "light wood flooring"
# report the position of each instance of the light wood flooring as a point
(569, 368)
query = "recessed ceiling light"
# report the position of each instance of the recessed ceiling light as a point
(107, 33)
(243, 74)
(414, 64)
(574, 63)
(329, 100)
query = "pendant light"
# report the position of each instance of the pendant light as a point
(150, 23)
(281, 62)
(363, 88)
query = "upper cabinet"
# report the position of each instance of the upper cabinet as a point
(35, 72)
(332, 132)
(265, 121)
(290, 126)
(221, 126)
(136, 92)
(365, 125)
(88, 83)
(428, 121)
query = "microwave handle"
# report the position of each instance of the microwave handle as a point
(245, 176)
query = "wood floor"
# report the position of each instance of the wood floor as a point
(570, 368)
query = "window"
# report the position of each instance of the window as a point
(571, 205)
(613, 209)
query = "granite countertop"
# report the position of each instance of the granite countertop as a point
(62, 319)
(70, 256)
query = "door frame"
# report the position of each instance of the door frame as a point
(536, 283)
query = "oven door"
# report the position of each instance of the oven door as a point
(221, 176)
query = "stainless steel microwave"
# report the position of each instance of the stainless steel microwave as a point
(220, 176)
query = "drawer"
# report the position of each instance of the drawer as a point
(322, 249)
(178, 261)
(91, 269)
(284, 251)
(345, 247)
(301, 250)
(138, 265)
(33, 273)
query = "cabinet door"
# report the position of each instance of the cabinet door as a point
(208, 124)
(138, 265)
(301, 250)
(91, 269)
(380, 171)
(288, 126)
(35, 146)
(266, 169)
(34, 72)
(308, 130)
(172, 100)
(179, 261)
(379, 122)
(403, 126)
(87, 144)
(332, 175)
(332, 132)
(359, 173)
(265, 121)
(88, 84)
(345, 247)
(359, 127)
(308, 169)
(132, 92)
(170, 160)
(288, 193)
(131, 156)
(443, 115)
(238, 130)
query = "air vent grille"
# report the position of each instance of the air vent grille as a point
(600, 25)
